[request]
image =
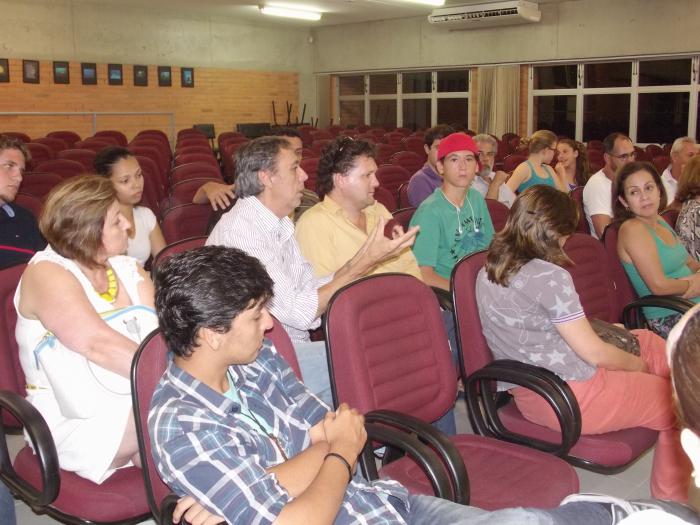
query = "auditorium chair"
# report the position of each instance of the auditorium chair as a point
(404, 131)
(180, 246)
(29, 202)
(595, 144)
(64, 168)
(194, 170)
(389, 357)
(513, 161)
(404, 216)
(654, 150)
(201, 150)
(201, 158)
(386, 198)
(162, 148)
(155, 155)
(94, 144)
(183, 191)
(576, 195)
(498, 212)
(318, 145)
(393, 138)
(186, 220)
(385, 151)
(153, 134)
(86, 157)
(155, 188)
(661, 162)
(39, 184)
(671, 217)
(310, 166)
(39, 153)
(494, 415)
(403, 195)
(321, 134)
(37, 479)
(69, 137)
(191, 141)
(409, 160)
(392, 176)
(53, 143)
(113, 134)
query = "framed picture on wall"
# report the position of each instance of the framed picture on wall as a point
(30, 71)
(140, 75)
(89, 73)
(4, 70)
(61, 74)
(164, 76)
(114, 74)
(187, 77)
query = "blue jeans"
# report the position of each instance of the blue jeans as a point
(428, 509)
(7, 507)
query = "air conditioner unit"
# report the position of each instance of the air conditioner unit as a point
(476, 16)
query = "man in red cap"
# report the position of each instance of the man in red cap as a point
(454, 221)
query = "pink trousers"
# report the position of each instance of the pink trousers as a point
(613, 400)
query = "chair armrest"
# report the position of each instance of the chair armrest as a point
(448, 461)
(483, 409)
(44, 447)
(444, 298)
(632, 314)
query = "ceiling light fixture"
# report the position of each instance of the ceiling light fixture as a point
(289, 13)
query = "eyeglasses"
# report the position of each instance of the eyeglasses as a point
(625, 156)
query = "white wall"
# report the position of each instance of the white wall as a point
(80, 31)
(568, 30)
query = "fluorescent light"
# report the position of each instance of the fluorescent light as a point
(436, 3)
(289, 13)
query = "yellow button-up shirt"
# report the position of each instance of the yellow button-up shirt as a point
(328, 239)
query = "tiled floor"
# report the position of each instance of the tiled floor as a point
(632, 483)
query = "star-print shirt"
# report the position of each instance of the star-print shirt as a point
(519, 320)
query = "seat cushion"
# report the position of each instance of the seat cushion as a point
(500, 474)
(120, 497)
(612, 449)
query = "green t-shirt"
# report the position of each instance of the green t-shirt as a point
(447, 234)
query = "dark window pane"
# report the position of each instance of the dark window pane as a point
(416, 113)
(352, 112)
(453, 111)
(663, 117)
(603, 114)
(452, 81)
(556, 113)
(352, 85)
(664, 72)
(416, 83)
(382, 84)
(608, 74)
(555, 77)
(382, 113)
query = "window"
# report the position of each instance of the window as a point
(663, 117)
(352, 112)
(416, 82)
(557, 114)
(416, 113)
(352, 85)
(555, 77)
(382, 84)
(382, 113)
(603, 114)
(452, 81)
(453, 111)
(665, 72)
(608, 74)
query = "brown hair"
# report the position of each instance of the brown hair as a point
(73, 217)
(583, 170)
(620, 213)
(689, 182)
(540, 216)
(7, 142)
(685, 368)
(541, 139)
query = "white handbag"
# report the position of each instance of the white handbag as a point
(82, 388)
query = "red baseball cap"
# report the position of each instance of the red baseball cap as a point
(456, 142)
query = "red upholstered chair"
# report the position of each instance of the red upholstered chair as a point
(641, 155)
(284, 346)
(154, 189)
(661, 162)
(385, 151)
(404, 216)
(513, 161)
(39, 152)
(403, 195)
(94, 144)
(404, 131)
(184, 191)
(39, 184)
(199, 150)
(654, 150)
(186, 220)
(18, 135)
(155, 155)
(30, 202)
(310, 166)
(321, 134)
(604, 453)
(194, 170)
(164, 153)
(498, 212)
(118, 136)
(202, 158)
(595, 144)
(408, 160)
(153, 134)
(190, 132)
(389, 357)
(392, 176)
(671, 217)
(228, 159)
(415, 144)
(193, 143)
(577, 195)
(86, 157)
(385, 197)
(394, 138)
(318, 145)
(178, 247)
(37, 479)
(69, 137)
(64, 168)
(53, 143)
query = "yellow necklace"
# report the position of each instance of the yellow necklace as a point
(112, 287)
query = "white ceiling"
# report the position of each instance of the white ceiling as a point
(335, 12)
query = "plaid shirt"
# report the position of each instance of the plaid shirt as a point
(206, 448)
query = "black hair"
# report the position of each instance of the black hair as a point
(438, 132)
(206, 288)
(106, 159)
(286, 132)
(339, 156)
(609, 141)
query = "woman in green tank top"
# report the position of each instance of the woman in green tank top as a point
(536, 169)
(655, 260)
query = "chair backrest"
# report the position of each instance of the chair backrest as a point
(64, 168)
(385, 151)
(114, 134)
(284, 346)
(388, 349)
(202, 158)
(54, 143)
(403, 195)
(498, 212)
(392, 176)
(385, 197)
(183, 191)
(404, 216)
(94, 143)
(186, 220)
(318, 145)
(512, 161)
(409, 160)
(415, 144)
(178, 247)
(148, 366)
(39, 184)
(69, 137)
(661, 162)
(576, 195)
(310, 166)
(595, 144)
(194, 170)
(86, 157)
(625, 291)
(154, 189)
(30, 202)
(593, 277)
(11, 375)
(473, 349)
(186, 150)
(39, 152)
(671, 217)
(654, 150)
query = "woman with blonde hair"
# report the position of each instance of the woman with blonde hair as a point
(530, 312)
(572, 163)
(536, 169)
(688, 193)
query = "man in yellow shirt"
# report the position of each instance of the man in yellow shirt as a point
(331, 232)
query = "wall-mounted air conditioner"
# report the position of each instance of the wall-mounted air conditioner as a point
(475, 16)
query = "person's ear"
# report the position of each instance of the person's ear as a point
(210, 338)
(623, 201)
(691, 445)
(427, 149)
(265, 178)
(440, 167)
(338, 180)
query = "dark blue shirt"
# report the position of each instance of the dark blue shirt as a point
(19, 235)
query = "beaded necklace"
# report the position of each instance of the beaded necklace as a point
(112, 287)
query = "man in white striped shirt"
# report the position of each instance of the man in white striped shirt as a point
(269, 186)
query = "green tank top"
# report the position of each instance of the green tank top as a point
(535, 179)
(673, 259)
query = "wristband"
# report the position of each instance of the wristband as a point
(345, 462)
